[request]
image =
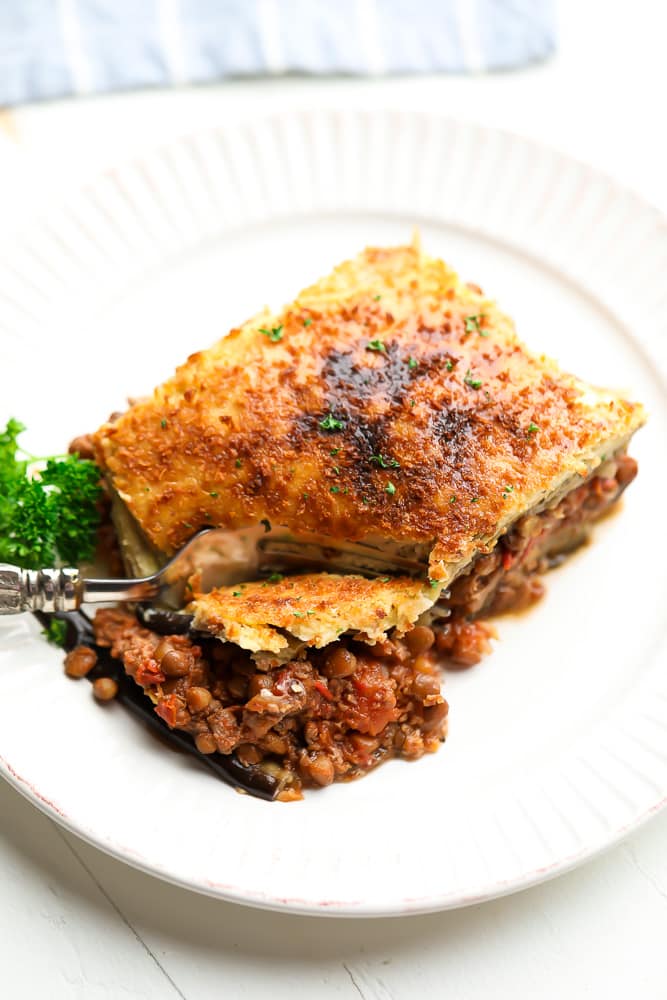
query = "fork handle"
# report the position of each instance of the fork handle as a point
(64, 589)
(38, 589)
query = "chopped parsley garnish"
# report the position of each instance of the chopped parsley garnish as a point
(412, 362)
(506, 491)
(365, 500)
(334, 451)
(236, 593)
(452, 499)
(390, 489)
(475, 500)
(56, 632)
(49, 516)
(472, 325)
(213, 494)
(385, 579)
(532, 428)
(469, 379)
(238, 463)
(163, 423)
(298, 614)
(307, 321)
(310, 612)
(331, 423)
(274, 334)
(449, 365)
(334, 489)
(434, 583)
(376, 345)
(336, 469)
(377, 298)
(385, 463)
(267, 524)
(305, 496)
(412, 402)
(274, 578)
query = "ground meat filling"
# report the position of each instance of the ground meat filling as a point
(334, 715)
(505, 579)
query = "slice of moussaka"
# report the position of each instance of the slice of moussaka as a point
(406, 466)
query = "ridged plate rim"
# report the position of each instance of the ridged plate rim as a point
(32, 274)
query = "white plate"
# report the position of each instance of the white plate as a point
(558, 741)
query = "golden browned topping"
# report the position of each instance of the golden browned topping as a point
(389, 400)
(314, 608)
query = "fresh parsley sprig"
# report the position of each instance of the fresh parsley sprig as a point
(51, 515)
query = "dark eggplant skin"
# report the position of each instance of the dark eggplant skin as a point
(250, 779)
(162, 621)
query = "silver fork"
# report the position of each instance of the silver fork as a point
(208, 551)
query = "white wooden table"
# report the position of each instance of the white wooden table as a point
(75, 923)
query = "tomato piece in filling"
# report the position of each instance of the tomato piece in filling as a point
(372, 704)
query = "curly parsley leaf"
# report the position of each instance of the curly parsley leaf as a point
(27, 526)
(73, 502)
(11, 469)
(49, 516)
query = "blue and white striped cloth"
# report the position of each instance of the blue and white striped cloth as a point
(53, 48)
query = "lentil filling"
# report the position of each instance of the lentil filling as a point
(336, 713)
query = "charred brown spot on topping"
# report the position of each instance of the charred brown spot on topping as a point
(367, 394)
(348, 378)
(352, 379)
(455, 431)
